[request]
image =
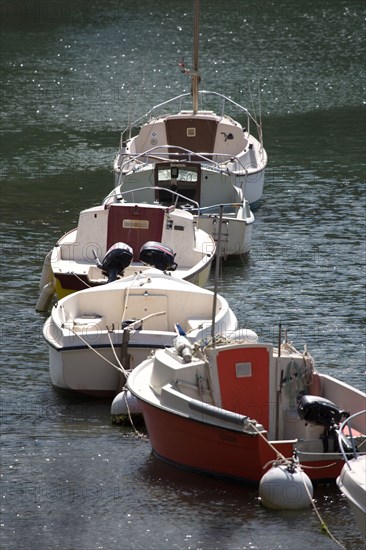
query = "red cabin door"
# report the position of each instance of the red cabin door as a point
(244, 381)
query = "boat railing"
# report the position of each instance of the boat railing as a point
(174, 153)
(127, 132)
(345, 440)
(192, 205)
(215, 207)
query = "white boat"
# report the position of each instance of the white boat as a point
(96, 335)
(138, 236)
(208, 157)
(235, 408)
(352, 480)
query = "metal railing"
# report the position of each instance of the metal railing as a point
(127, 132)
(345, 441)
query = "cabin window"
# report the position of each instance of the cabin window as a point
(243, 370)
(182, 174)
(191, 132)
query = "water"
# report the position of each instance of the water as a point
(73, 75)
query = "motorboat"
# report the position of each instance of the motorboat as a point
(185, 145)
(237, 407)
(230, 217)
(118, 239)
(95, 336)
(352, 480)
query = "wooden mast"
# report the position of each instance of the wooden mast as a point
(195, 74)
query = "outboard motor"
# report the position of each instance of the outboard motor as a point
(158, 255)
(322, 412)
(116, 260)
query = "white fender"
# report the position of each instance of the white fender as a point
(125, 403)
(45, 297)
(284, 488)
(47, 273)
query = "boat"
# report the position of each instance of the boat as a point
(238, 407)
(128, 237)
(352, 480)
(95, 336)
(209, 157)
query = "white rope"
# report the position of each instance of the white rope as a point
(123, 370)
(81, 280)
(86, 343)
(139, 434)
(95, 351)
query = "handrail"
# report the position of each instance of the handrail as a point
(142, 158)
(188, 94)
(216, 206)
(160, 189)
(197, 208)
(164, 156)
(341, 437)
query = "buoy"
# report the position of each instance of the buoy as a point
(124, 405)
(285, 487)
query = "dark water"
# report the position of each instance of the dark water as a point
(73, 74)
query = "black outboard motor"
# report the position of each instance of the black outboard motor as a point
(116, 260)
(322, 412)
(158, 255)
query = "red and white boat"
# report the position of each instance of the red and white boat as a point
(129, 237)
(237, 407)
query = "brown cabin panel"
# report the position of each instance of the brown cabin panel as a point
(195, 134)
(134, 225)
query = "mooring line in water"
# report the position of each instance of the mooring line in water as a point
(137, 433)
(281, 458)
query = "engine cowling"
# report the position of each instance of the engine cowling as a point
(158, 255)
(117, 259)
(320, 411)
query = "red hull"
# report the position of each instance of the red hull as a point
(209, 449)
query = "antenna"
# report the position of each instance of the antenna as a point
(217, 269)
(194, 73)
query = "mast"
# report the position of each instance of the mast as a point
(195, 74)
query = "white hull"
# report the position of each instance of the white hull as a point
(352, 480)
(93, 318)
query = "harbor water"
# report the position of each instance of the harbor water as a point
(74, 74)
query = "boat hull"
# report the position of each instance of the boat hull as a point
(221, 452)
(352, 483)
(221, 412)
(236, 235)
(97, 334)
(68, 282)
(83, 371)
